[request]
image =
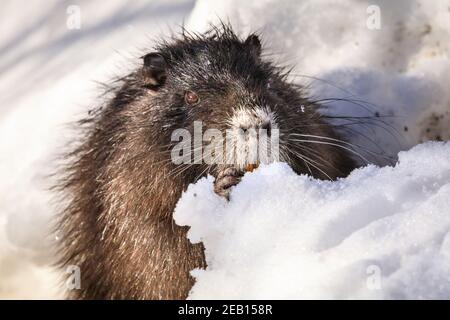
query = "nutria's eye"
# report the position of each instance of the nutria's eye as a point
(191, 98)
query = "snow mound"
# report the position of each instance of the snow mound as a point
(379, 233)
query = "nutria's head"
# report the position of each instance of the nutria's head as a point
(226, 84)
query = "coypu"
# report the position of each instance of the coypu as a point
(121, 182)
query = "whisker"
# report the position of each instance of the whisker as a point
(336, 145)
(314, 153)
(312, 163)
(344, 142)
(322, 80)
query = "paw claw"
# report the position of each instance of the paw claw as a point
(225, 180)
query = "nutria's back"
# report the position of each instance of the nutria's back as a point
(123, 182)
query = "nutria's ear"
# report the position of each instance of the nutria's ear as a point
(255, 44)
(154, 70)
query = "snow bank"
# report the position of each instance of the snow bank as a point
(380, 233)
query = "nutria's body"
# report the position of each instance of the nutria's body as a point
(123, 186)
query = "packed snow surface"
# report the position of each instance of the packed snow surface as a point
(400, 71)
(379, 233)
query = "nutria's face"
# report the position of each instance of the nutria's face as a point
(225, 86)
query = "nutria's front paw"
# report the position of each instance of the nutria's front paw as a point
(225, 180)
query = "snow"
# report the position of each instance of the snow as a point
(380, 221)
(379, 233)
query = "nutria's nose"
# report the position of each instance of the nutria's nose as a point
(265, 126)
